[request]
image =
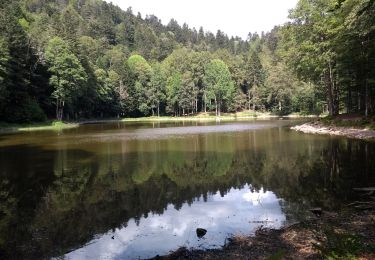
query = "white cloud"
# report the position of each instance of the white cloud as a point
(236, 17)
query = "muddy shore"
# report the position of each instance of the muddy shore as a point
(350, 132)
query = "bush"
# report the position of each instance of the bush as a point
(27, 112)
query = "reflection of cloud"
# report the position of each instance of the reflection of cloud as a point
(179, 231)
(259, 198)
(159, 234)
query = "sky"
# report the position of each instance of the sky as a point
(234, 17)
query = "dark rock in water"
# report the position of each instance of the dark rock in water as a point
(201, 232)
(317, 211)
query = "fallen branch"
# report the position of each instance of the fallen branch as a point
(360, 202)
(365, 189)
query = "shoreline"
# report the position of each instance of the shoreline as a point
(349, 132)
(46, 126)
(348, 234)
(7, 128)
(197, 118)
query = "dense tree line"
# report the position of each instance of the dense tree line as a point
(88, 58)
(331, 43)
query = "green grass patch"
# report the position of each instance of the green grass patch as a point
(347, 121)
(209, 117)
(203, 117)
(181, 118)
(50, 125)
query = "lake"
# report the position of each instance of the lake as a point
(137, 190)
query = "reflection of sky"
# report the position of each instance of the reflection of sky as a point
(239, 211)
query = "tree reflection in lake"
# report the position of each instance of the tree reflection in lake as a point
(58, 196)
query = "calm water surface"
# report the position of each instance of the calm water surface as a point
(137, 190)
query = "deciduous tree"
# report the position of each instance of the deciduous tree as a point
(67, 73)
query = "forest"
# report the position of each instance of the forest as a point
(78, 59)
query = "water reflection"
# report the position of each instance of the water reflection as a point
(60, 195)
(239, 210)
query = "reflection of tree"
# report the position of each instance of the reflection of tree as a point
(23, 183)
(325, 178)
(98, 193)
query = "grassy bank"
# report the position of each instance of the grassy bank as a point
(59, 125)
(50, 125)
(197, 117)
(349, 120)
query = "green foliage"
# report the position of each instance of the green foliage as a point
(281, 85)
(27, 112)
(141, 72)
(328, 44)
(157, 87)
(305, 100)
(24, 23)
(69, 24)
(218, 82)
(105, 87)
(68, 75)
(139, 67)
(186, 97)
(255, 80)
(4, 70)
(83, 59)
(16, 85)
(174, 84)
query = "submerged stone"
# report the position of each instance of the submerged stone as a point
(201, 232)
(317, 211)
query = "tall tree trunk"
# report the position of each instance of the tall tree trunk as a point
(359, 101)
(57, 108)
(249, 99)
(205, 103)
(366, 99)
(349, 101)
(196, 104)
(329, 93)
(219, 101)
(62, 110)
(333, 89)
(215, 106)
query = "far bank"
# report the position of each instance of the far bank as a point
(55, 125)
